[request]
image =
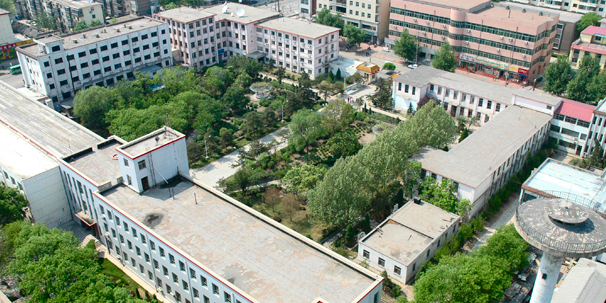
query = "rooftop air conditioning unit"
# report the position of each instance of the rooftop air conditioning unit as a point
(525, 42)
(523, 56)
(510, 39)
(414, 19)
(425, 33)
(498, 50)
(443, 25)
(468, 30)
(501, 37)
(466, 42)
(427, 21)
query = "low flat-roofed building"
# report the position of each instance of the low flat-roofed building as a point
(408, 238)
(36, 174)
(584, 283)
(482, 163)
(570, 126)
(592, 42)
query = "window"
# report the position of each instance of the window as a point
(165, 270)
(185, 285)
(206, 300)
(63, 82)
(103, 48)
(215, 289)
(397, 270)
(84, 65)
(171, 258)
(152, 245)
(498, 108)
(138, 250)
(489, 104)
(182, 266)
(46, 64)
(93, 51)
(196, 294)
(58, 60)
(192, 273)
(61, 72)
(135, 39)
(203, 280)
(105, 59)
(480, 102)
(162, 252)
(121, 239)
(130, 244)
(366, 254)
(381, 262)
(142, 164)
(227, 297)
(175, 278)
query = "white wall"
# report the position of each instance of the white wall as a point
(47, 199)
(538, 106)
(6, 30)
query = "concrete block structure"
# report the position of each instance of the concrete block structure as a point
(494, 40)
(369, 15)
(592, 42)
(482, 163)
(407, 239)
(189, 241)
(6, 30)
(67, 13)
(58, 67)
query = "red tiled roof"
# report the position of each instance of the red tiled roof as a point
(592, 30)
(575, 109)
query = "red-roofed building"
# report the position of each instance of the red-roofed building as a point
(593, 42)
(570, 126)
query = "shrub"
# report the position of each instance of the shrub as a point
(264, 102)
(277, 219)
(396, 290)
(477, 223)
(237, 122)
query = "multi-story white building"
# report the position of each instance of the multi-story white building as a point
(372, 16)
(189, 241)
(408, 239)
(307, 8)
(578, 6)
(206, 37)
(67, 13)
(60, 66)
(298, 46)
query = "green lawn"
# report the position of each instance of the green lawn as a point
(114, 272)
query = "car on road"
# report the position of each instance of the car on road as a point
(413, 66)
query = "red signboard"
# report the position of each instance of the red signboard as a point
(523, 71)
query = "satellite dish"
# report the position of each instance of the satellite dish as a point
(240, 12)
(225, 8)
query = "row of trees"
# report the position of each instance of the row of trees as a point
(378, 170)
(52, 267)
(481, 276)
(584, 85)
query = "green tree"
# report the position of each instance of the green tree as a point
(354, 34)
(43, 20)
(595, 89)
(440, 194)
(114, 20)
(325, 88)
(337, 115)
(350, 236)
(338, 74)
(235, 98)
(327, 18)
(389, 66)
(344, 144)
(407, 46)
(301, 178)
(246, 64)
(7, 5)
(80, 26)
(170, 6)
(597, 155)
(92, 104)
(305, 127)
(506, 244)
(557, 76)
(445, 58)
(226, 137)
(464, 134)
(382, 98)
(588, 20)
(253, 125)
(12, 203)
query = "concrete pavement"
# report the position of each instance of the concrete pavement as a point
(211, 173)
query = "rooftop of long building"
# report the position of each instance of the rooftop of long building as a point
(57, 134)
(250, 14)
(261, 257)
(185, 14)
(21, 157)
(300, 28)
(565, 16)
(99, 163)
(473, 160)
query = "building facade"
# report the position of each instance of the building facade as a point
(493, 40)
(6, 30)
(307, 8)
(206, 37)
(566, 30)
(369, 15)
(592, 42)
(66, 13)
(577, 6)
(402, 244)
(570, 126)
(58, 67)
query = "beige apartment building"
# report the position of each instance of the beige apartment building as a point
(67, 12)
(497, 41)
(371, 16)
(592, 42)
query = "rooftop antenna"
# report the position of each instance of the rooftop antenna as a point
(166, 133)
(225, 8)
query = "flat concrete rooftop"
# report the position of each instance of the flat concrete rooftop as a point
(267, 261)
(538, 95)
(150, 141)
(565, 16)
(251, 14)
(21, 157)
(59, 135)
(99, 165)
(516, 16)
(300, 28)
(477, 157)
(409, 231)
(185, 14)
(456, 4)
(555, 176)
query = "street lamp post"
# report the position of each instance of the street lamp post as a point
(206, 146)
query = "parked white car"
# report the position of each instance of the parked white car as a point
(413, 66)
